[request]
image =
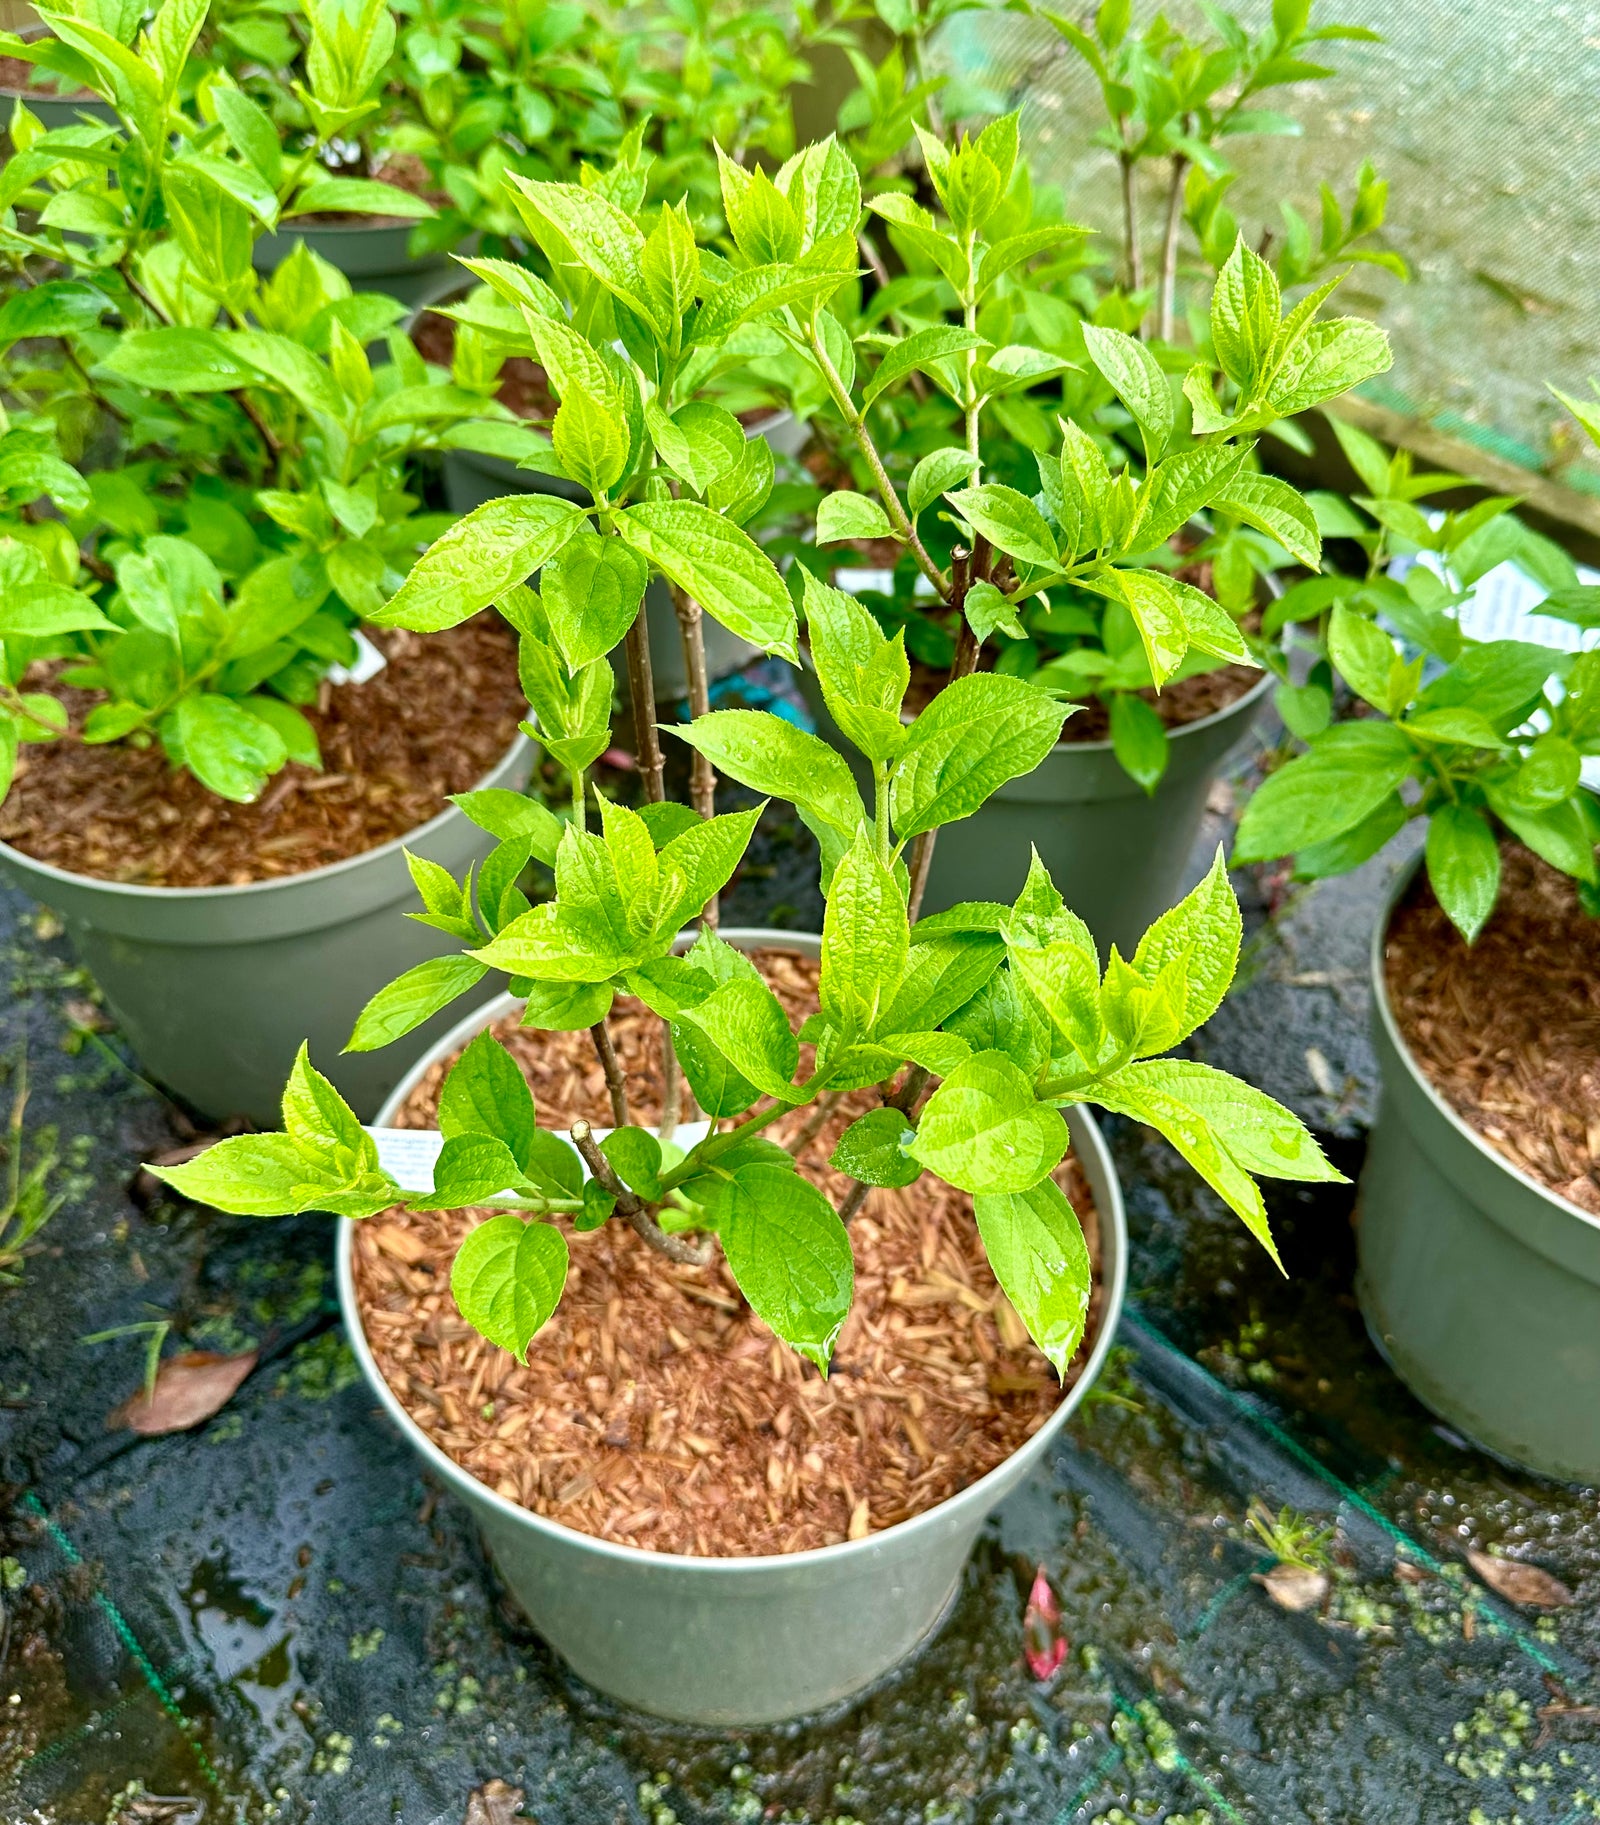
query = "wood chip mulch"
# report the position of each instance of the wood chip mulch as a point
(656, 1410)
(1508, 1030)
(435, 720)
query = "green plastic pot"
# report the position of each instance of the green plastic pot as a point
(215, 987)
(1479, 1285)
(55, 111)
(471, 478)
(1117, 853)
(371, 255)
(740, 1642)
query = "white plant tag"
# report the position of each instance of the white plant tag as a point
(369, 662)
(409, 1155)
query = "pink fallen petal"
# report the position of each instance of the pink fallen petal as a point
(1044, 1646)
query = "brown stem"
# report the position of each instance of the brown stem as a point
(1132, 253)
(702, 776)
(632, 1212)
(854, 1199)
(1169, 249)
(642, 695)
(616, 1083)
(814, 1124)
(671, 1085)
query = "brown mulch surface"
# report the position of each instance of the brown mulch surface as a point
(435, 720)
(1508, 1030)
(656, 1409)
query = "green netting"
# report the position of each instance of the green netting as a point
(1480, 113)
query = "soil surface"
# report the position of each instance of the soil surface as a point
(1508, 1029)
(440, 714)
(656, 1409)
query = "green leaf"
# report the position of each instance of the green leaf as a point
(226, 748)
(942, 974)
(845, 515)
(1138, 739)
(511, 815)
(1348, 773)
(1155, 602)
(321, 1124)
(485, 1093)
(1463, 867)
(863, 675)
(590, 441)
(177, 360)
(1179, 488)
(413, 998)
(1329, 359)
(1245, 310)
(699, 862)
(38, 610)
(1503, 680)
(935, 474)
(915, 352)
(1035, 1246)
(746, 1023)
(1273, 507)
(566, 1007)
(636, 1154)
(983, 1130)
(1201, 935)
(1009, 521)
(864, 940)
(873, 1149)
(1063, 977)
(1363, 655)
(470, 1169)
(771, 756)
(719, 565)
(1136, 377)
(977, 733)
(790, 1255)
(251, 1175)
(591, 591)
(507, 1280)
(602, 237)
(480, 558)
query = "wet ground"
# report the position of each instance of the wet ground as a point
(275, 1617)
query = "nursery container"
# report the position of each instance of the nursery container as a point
(744, 1641)
(1117, 853)
(1479, 1285)
(371, 255)
(215, 987)
(471, 478)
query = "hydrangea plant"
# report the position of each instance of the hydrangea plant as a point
(241, 489)
(1479, 737)
(1008, 1012)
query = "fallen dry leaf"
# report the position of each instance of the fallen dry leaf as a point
(495, 1803)
(1519, 1583)
(189, 1388)
(1294, 1587)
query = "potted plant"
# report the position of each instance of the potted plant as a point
(1479, 1211)
(937, 1053)
(242, 502)
(1050, 338)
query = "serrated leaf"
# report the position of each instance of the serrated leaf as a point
(486, 1094)
(720, 566)
(1035, 1245)
(872, 1149)
(412, 998)
(983, 1129)
(507, 1280)
(790, 1255)
(977, 733)
(479, 559)
(1463, 861)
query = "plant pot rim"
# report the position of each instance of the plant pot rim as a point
(1404, 877)
(19, 858)
(1114, 1289)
